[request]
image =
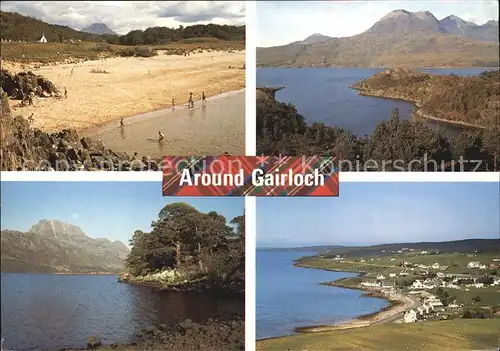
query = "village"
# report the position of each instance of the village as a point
(436, 285)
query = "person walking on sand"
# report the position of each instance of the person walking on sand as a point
(121, 122)
(160, 136)
(203, 98)
(190, 101)
(173, 102)
(65, 93)
(71, 72)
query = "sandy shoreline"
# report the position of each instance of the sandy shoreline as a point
(133, 86)
(399, 303)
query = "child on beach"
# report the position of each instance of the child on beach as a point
(190, 101)
(203, 98)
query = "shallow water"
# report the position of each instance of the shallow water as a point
(212, 129)
(289, 296)
(49, 312)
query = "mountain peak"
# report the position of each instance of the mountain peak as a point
(57, 230)
(396, 13)
(98, 28)
(314, 39)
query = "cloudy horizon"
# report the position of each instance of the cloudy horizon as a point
(125, 16)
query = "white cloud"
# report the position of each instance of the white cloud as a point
(124, 16)
(280, 23)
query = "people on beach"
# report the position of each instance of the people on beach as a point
(173, 102)
(31, 119)
(30, 99)
(160, 136)
(65, 93)
(203, 98)
(121, 122)
(71, 72)
(190, 101)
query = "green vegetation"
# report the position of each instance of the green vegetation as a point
(474, 100)
(198, 245)
(461, 334)
(14, 26)
(394, 145)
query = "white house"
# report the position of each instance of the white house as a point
(410, 316)
(43, 39)
(380, 277)
(473, 264)
(392, 275)
(482, 266)
(436, 266)
(403, 274)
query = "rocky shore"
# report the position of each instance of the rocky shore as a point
(201, 285)
(24, 148)
(214, 334)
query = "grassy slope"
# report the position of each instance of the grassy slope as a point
(90, 50)
(462, 334)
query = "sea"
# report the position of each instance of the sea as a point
(50, 312)
(288, 296)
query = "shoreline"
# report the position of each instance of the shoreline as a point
(417, 110)
(141, 117)
(398, 304)
(132, 86)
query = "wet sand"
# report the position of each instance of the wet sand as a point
(213, 129)
(131, 86)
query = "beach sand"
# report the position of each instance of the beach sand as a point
(132, 86)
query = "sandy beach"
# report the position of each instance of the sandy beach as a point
(132, 86)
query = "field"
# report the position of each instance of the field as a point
(443, 335)
(58, 52)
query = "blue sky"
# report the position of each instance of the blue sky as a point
(282, 22)
(111, 210)
(375, 213)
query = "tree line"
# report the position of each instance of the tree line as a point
(282, 130)
(16, 27)
(184, 238)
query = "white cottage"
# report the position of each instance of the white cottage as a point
(43, 39)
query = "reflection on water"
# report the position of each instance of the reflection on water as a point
(42, 311)
(210, 129)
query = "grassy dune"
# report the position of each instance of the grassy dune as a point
(57, 52)
(461, 334)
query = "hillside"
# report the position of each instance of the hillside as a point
(98, 28)
(53, 246)
(399, 38)
(457, 246)
(15, 27)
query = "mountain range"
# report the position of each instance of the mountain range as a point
(52, 246)
(399, 38)
(99, 28)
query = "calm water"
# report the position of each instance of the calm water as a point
(288, 296)
(41, 312)
(323, 95)
(213, 129)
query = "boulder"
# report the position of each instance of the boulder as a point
(93, 342)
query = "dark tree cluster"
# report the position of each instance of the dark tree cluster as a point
(163, 35)
(183, 237)
(281, 130)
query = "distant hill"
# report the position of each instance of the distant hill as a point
(469, 245)
(52, 246)
(415, 39)
(98, 28)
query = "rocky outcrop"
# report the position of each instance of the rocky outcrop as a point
(15, 85)
(24, 148)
